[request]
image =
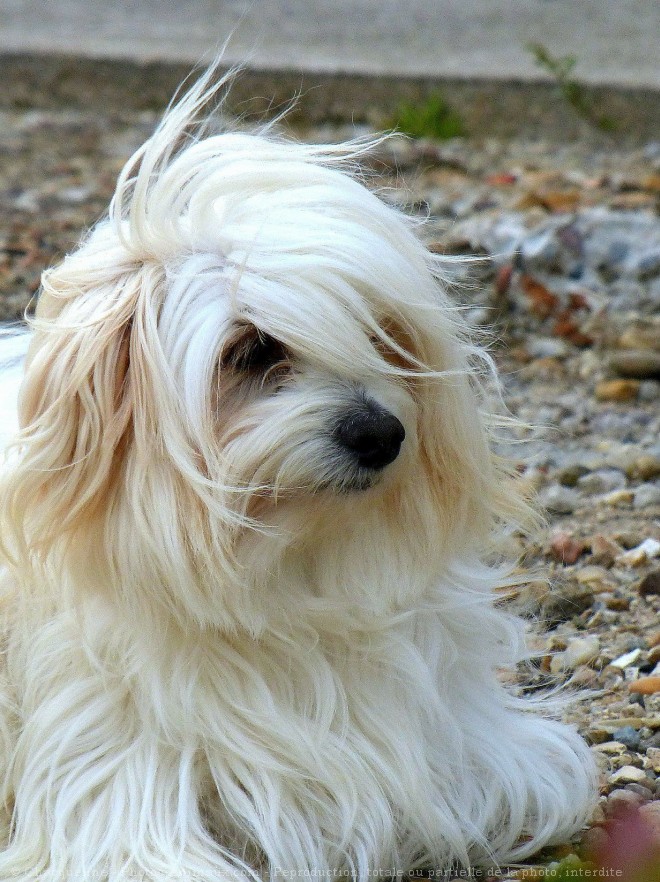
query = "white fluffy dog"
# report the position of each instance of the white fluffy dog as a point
(248, 626)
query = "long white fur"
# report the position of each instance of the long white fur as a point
(219, 660)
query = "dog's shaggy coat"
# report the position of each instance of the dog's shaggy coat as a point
(233, 646)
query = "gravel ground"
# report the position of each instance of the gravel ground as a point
(569, 278)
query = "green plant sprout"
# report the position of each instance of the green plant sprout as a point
(432, 118)
(571, 90)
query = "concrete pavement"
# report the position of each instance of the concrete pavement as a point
(347, 60)
(615, 41)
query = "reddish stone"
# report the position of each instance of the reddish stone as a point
(566, 549)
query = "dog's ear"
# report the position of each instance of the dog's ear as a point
(76, 403)
(477, 493)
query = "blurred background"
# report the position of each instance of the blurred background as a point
(616, 41)
(303, 45)
(528, 135)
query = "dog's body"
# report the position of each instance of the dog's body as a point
(246, 619)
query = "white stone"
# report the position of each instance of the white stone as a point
(629, 775)
(653, 759)
(624, 660)
(646, 550)
(647, 495)
(602, 481)
(580, 651)
(561, 500)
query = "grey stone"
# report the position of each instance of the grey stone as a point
(639, 364)
(628, 775)
(560, 500)
(579, 651)
(653, 741)
(645, 792)
(628, 736)
(646, 495)
(602, 481)
(541, 250)
(569, 475)
(648, 264)
(649, 390)
(547, 347)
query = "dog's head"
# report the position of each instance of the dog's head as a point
(249, 369)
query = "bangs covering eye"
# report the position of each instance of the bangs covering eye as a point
(396, 346)
(253, 351)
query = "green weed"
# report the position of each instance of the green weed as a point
(432, 118)
(573, 92)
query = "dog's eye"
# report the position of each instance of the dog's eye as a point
(253, 351)
(396, 355)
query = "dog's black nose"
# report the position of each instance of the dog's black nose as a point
(373, 435)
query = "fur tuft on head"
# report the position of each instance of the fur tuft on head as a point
(210, 239)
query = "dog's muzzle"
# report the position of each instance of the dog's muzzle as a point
(372, 435)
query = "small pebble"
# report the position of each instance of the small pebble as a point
(595, 840)
(560, 605)
(580, 651)
(609, 727)
(628, 736)
(584, 678)
(651, 548)
(637, 364)
(645, 467)
(592, 575)
(645, 792)
(571, 474)
(650, 813)
(610, 748)
(598, 813)
(645, 685)
(617, 390)
(628, 538)
(560, 500)
(628, 775)
(650, 585)
(602, 481)
(625, 759)
(646, 550)
(624, 661)
(618, 498)
(653, 759)
(547, 347)
(646, 495)
(604, 550)
(650, 742)
(649, 390)
(639, 337)
(620, 801)
(566, 549)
